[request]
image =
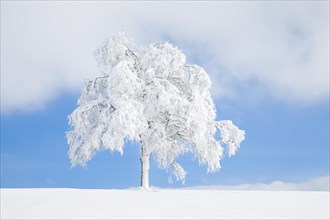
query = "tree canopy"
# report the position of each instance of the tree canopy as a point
(151, 96)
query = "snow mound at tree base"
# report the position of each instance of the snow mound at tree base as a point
(162, 204)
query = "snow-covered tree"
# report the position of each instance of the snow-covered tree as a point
(151, 96)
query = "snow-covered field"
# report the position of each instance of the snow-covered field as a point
(162, 203)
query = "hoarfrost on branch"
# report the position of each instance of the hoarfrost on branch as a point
(151, 96)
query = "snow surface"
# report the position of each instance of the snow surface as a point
(162, 203)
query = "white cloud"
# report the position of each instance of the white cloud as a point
(321, 183)
(46, 47)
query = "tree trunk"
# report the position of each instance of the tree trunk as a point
(145, 163)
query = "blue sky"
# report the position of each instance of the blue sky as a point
(269, 64)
